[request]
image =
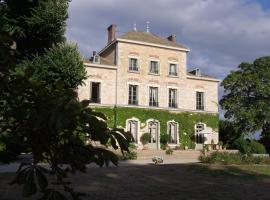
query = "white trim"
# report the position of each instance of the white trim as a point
(133, 83)
(138, 128)
(100, 66)
(168, 96)
(138, 95)
(149, 66)
(153, 45)
(138, 63)
(204, 98)
(153, 59)
(177, 131)
(177, 69)
(158, 134)
(203, 78)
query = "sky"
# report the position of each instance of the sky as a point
(220, 33)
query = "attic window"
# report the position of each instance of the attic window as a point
(96, 59)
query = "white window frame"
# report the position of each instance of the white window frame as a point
(204, 99)
(158, 92)
(137, 97)
(177, 131)
(177, 69)
(138, 63)
(138, 128)
(149, 66)
(196, 132)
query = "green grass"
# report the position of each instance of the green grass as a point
(233, 171)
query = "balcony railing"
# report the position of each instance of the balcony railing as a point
(153, 103)
(132, 102)
(95, 100)
(172, 105)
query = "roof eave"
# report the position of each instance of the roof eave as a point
(204, 78)
(152, 44)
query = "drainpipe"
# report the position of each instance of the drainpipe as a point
(116, 85)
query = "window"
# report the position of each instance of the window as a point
(199, 100)
(172, 98)
(153, 131)
(153, 96)
(95, 92)
(133, 95)
(133, 129)
(133, 64)
(154, 67)
(199, 137)
(172, 130)
(172, 69)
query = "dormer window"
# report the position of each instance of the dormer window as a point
(154, 67)
(173, 69)
(133, 64)
(96, 59)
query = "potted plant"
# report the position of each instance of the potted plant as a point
(145, 138)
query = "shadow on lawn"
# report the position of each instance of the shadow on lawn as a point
(170, 182)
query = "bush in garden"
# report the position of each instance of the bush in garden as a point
(145, 138)
(132, 154)
(233, 158)
(257, 147)
(169, 151)
(242, 145)
(164, 139)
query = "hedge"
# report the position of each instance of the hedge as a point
(186, 120)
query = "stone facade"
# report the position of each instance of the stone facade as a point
(114, 77)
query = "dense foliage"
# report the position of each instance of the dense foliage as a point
(59, 63)
(247, 96)
(39, 106)
(228, 132)
(246, 146)
(233, 158)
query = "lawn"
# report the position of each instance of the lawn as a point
(168, 182)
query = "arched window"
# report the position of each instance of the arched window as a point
(172, 131)
(199, 137)
(153, 131)
(133, 129)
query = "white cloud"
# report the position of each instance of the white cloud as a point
(220, 34)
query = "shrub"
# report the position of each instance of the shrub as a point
(242, 145)
(179, 147)
(169, 151)
(163, 146)
(233, 158)
(132, 154)
(164, 139)
(257, 147)
(145, 138)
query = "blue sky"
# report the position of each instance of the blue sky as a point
(264, 3)
(220, 33)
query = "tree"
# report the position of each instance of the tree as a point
(247, 96)
(38, 101)
(60, 63)
(228, 132)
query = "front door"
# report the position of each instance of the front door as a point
(153, 130)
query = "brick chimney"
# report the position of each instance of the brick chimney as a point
(172, 38)
(111, 33)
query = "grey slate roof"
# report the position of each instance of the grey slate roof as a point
(149, 38)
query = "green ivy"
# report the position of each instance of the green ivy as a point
(186, 120)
